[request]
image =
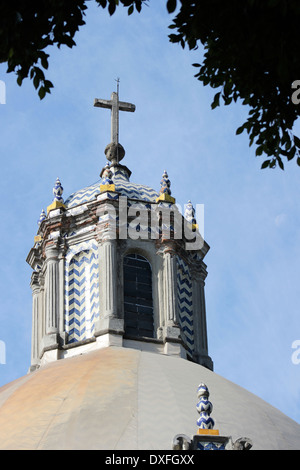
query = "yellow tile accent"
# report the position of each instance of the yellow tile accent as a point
(212, 432)
(54, 205)
(107, 187)
(37, 238)
(166, 197)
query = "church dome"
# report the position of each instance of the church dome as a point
(124, 398)
(123, 186)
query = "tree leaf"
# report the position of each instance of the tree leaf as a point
(265, 164)
(36, 81)
(240, 130)
(280, 163)
(297, 141)
(259, 150)
(42, 92)
(111, 8)
(171, 6)
(216, 101)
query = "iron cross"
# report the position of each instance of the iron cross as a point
(115, 105)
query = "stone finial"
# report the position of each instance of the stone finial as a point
(58, 199)
(42, 217)
(114, 152)
(204, 408)
(165, 191)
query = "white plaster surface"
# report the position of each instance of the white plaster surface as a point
(123, 398)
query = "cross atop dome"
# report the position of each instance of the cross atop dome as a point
(114, 151)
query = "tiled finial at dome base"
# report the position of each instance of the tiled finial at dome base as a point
(204, 407)
(208, 438)
(165, 191)
(107, 183)
(58, 199)
(189, 215)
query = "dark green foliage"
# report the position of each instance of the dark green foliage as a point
(251, 54)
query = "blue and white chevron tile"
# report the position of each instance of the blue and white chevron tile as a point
(81, 291)
(185, 303)
(122, 186)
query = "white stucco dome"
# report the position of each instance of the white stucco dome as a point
(124, 398)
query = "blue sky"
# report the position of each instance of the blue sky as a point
(251, 216)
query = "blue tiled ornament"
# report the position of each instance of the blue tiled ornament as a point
(204, 408)
(57, 191)
(189, 213)
(42, 217)
(107, 175)
(165, 184)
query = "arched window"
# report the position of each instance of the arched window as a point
(138, 301)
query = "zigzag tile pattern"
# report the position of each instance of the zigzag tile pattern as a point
(122, 185)
(83, 195)
(81, 291)
(185, 303)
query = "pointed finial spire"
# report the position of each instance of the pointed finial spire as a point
(165, 184)
(165, 191)
(189, 215)
(57, 191)
(58, 199)
(42, 217)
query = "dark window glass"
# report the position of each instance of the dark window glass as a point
(138, 302)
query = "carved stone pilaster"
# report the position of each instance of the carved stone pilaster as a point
(110, 320)
(171, 329)
(200, 355)
(61, 298)
(35, 286)
(50, 339)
